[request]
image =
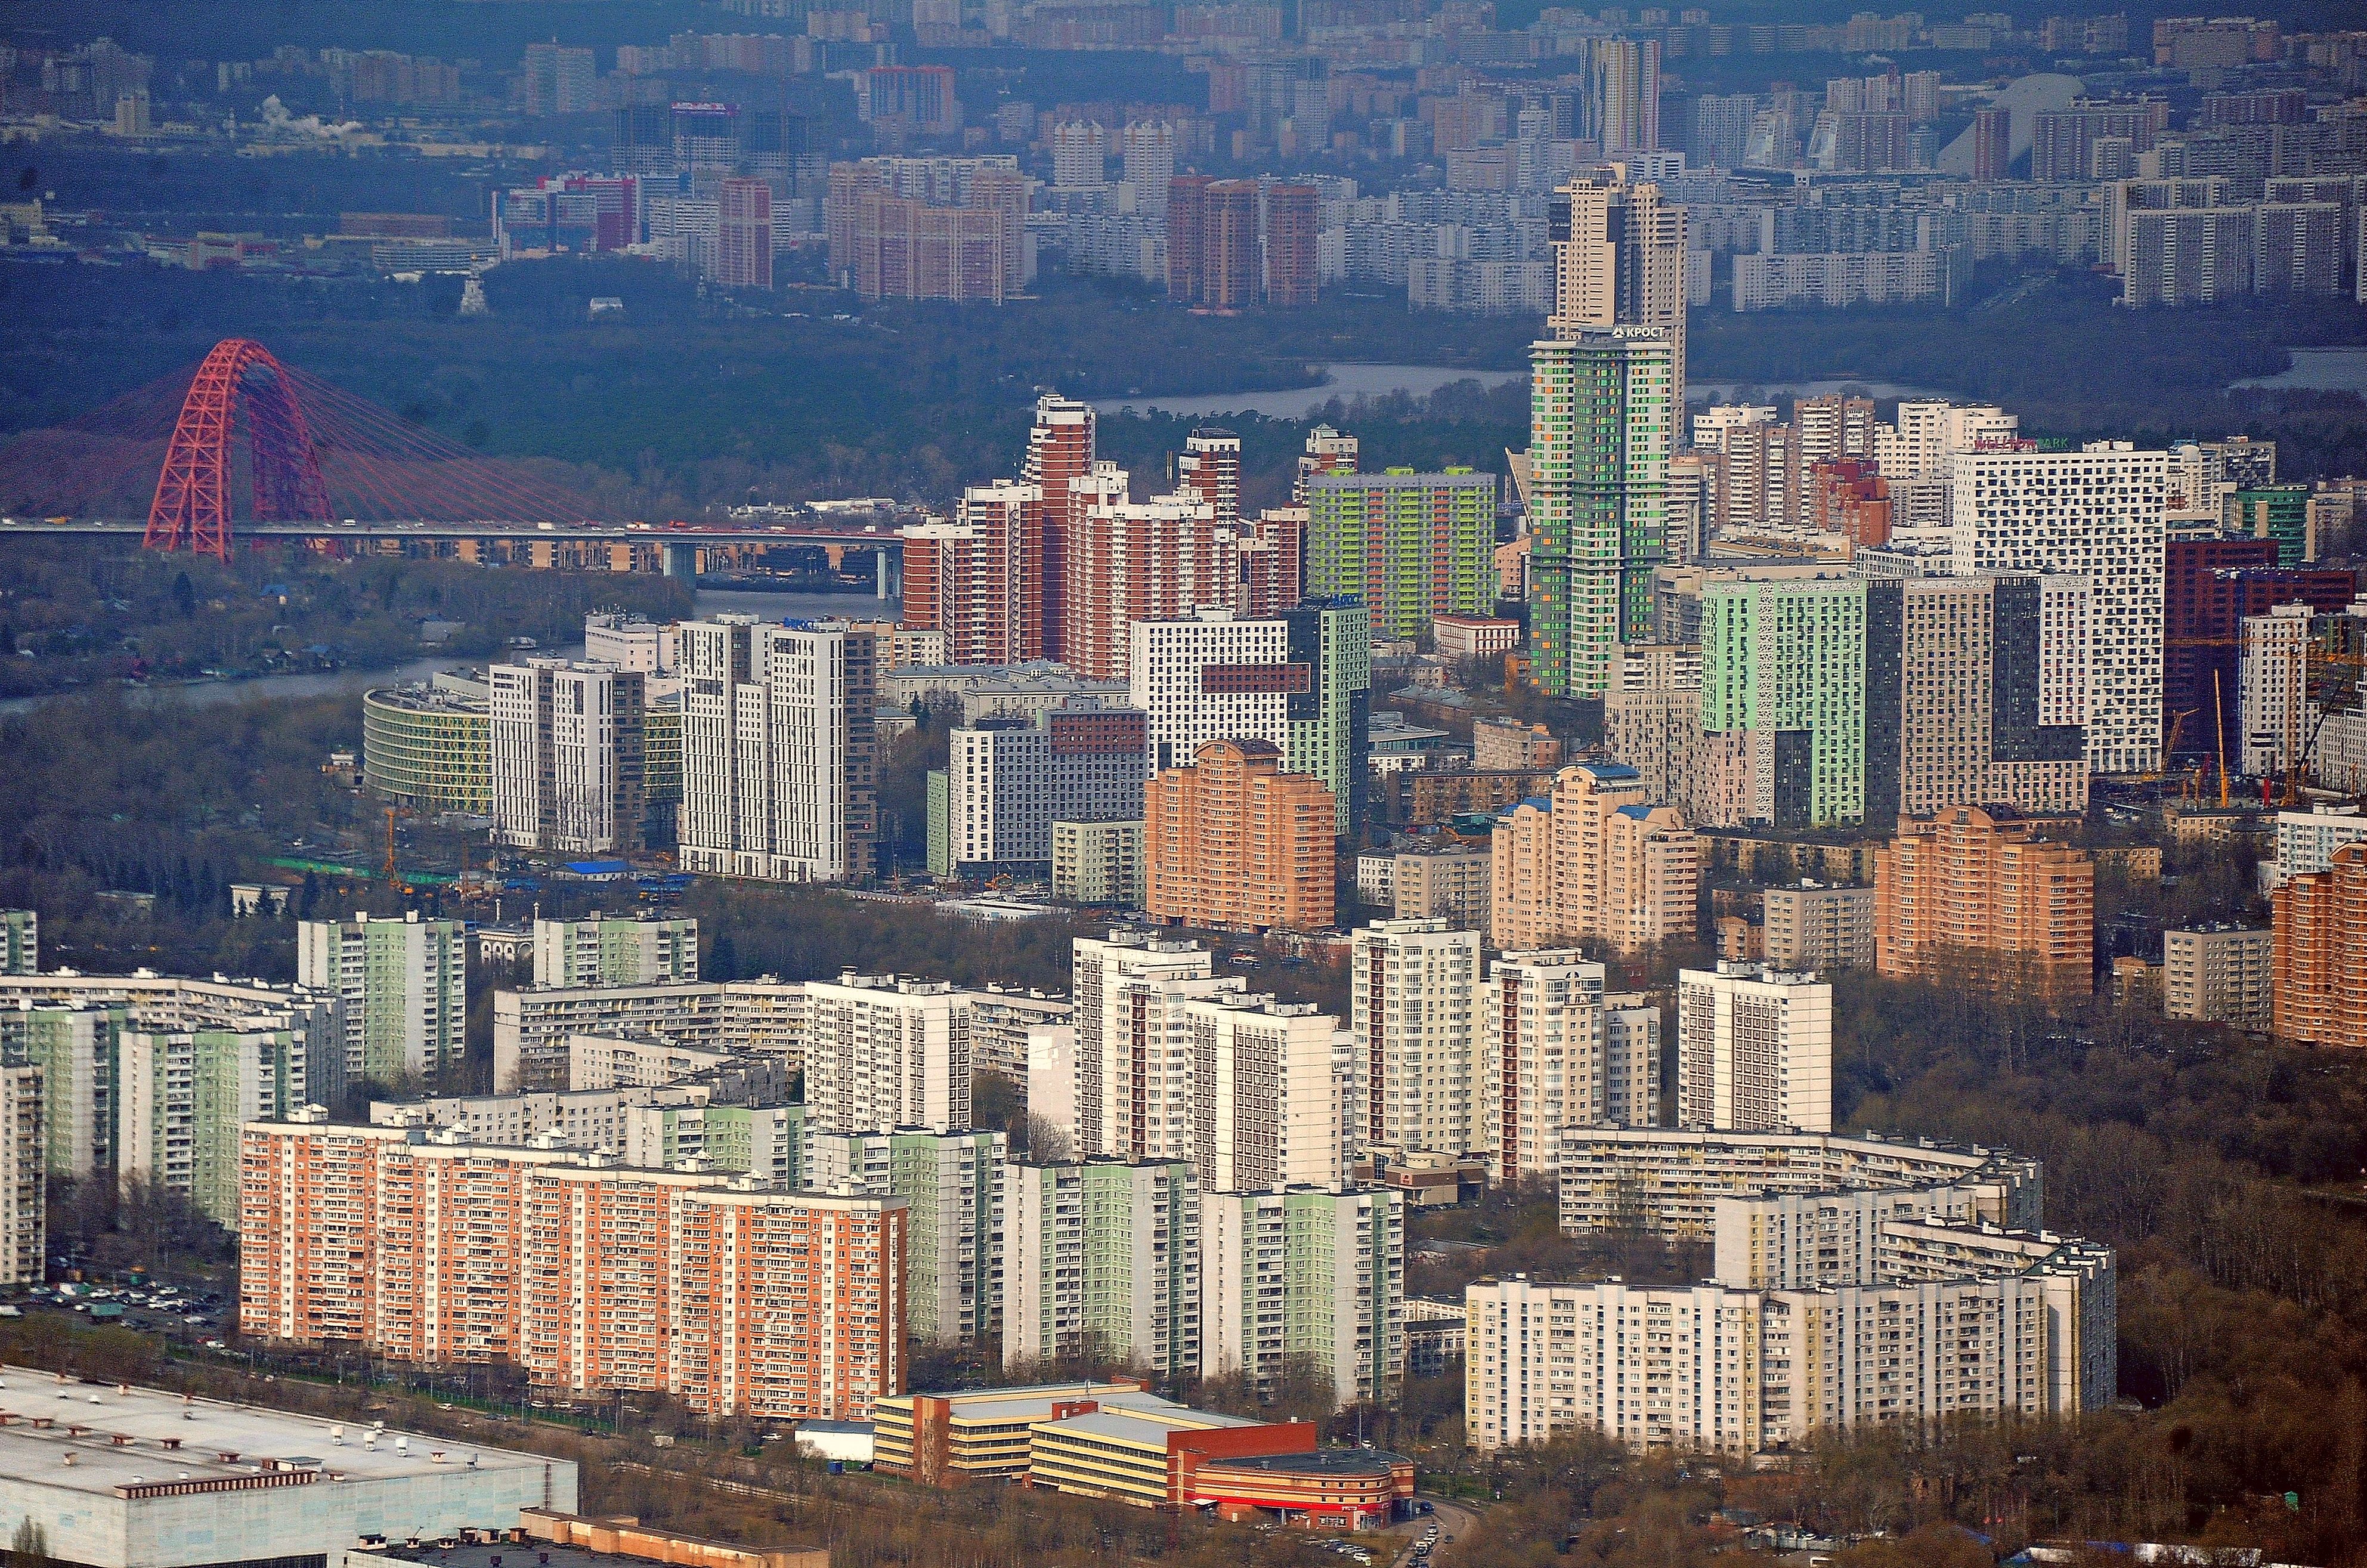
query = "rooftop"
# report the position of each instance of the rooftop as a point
(1318, 1461)
(109, 1439)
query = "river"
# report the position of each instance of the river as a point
(1346, 382)
(2319, 370)
(355, 681)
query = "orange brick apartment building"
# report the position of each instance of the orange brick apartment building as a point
(1970, 889)
(2317, 954)
(590, 1277)
(1235, 842)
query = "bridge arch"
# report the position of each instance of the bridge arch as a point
(192, 507)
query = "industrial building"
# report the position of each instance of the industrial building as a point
(118, 1477)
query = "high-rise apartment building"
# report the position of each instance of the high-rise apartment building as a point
(1100, 1258)
(779, 762)
(1623, 96)
(1413, 546)
(1977, 694)
(979, 579)
(2219, 974)
(1305, 1280)
(20, 942)
(1555, 1052)
(1133, 1059)
(1604, 409)
(1783, 665)
(568, 757)
(2096, 513)
(608, 951)
(1292, 222)
(1992, 145)
(1754, 1050)
(1619, 260)
(1148, 148)
(736, 1298)
(1213, 676)
(1973, 897)
(2319, 952)
(24, 1180)
(1234, 842)
(1210, 467)
(884, 1052)
(951, 1185)
(743, 235)
(1652, 715)
(1327, 451)
(2272, 681)
(1264, 1105)
(1818, 928)
(1060, 454)
(1414, 1016)
(405, 988)
(180, 1098)
(1593, 858)
(1329, 720)
(929, 228)
(1008, 780)
(1132, 562)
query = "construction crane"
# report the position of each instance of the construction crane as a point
(393, 877)
(2219, 704)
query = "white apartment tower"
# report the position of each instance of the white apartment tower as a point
(1414, 989)
(1754, 1050)
(1168, 679)
(1557, 1053)
(1133, 1052)
(24, 1178)
(602, 950)
(883, 1053)
(2272, 683)
(778, 760)
(568, 771)
(1264, 1111)
(2096, 513)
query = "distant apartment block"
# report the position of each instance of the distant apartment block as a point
(2319, 952)
(1232, 842)
(1969, 897)
(405, 983)
(2219, 974)
(1818, 928)
(608, 951)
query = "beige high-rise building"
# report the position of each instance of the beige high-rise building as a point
(1812, 926)
(2218, 975)
(1619, 260)
(1652, 715)
(1449, 884)
(1593, 858)
(1415, 988)
(24, 1177)
(1555, 1052)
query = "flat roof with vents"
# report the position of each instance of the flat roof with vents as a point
(143, 1478)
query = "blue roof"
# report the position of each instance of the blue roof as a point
(1611, 771)
(598, 868)
(1638, 812)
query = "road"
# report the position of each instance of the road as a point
(1453, 1519)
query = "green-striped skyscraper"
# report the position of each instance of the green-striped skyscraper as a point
(1603, 420)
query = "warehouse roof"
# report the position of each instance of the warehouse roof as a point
(109, 1439)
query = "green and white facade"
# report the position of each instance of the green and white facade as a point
(766, 1142)
(405, 987)
(611, 950)
(1305, 1279)
(1603, 412)
(952, 1184)
(1331, 735)
(182, 1099)
(1784, 664)
(1102, 1257)
(20, 942)
(1413, 546)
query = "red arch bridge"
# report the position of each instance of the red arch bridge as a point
(291, 456)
